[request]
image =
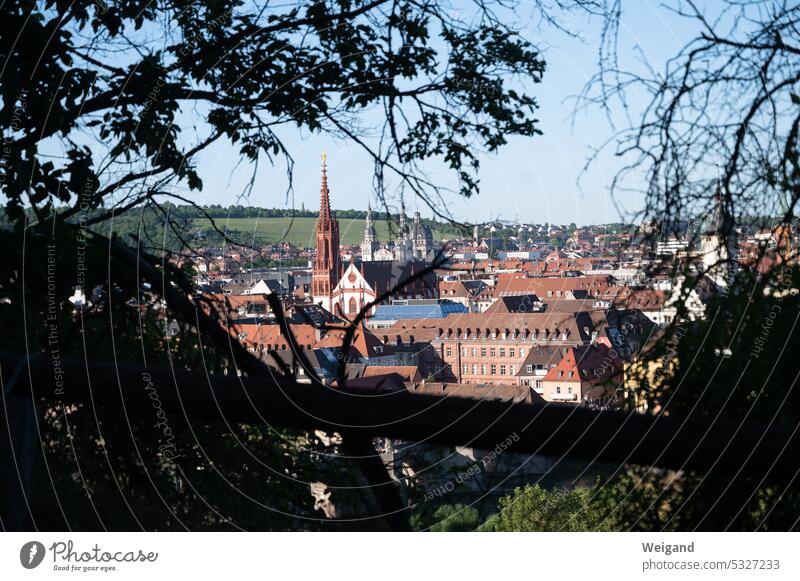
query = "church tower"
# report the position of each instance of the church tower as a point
(718, 244)
(327, 263)
(402, 247)
(370, 245)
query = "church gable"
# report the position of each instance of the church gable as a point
(352, 279)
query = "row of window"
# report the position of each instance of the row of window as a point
(512, 369)
(504, 369)
(492, 351)
(540, 386)
(539, 383)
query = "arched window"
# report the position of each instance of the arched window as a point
(352, 306)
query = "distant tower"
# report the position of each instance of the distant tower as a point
(403, 227)
(476, 234)
(370, 245)
(718, 244)
(327, 263)
(402, 247)
(421, 238)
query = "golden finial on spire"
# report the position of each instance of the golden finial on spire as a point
(324, 159)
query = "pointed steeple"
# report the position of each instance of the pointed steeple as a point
(324, 194)
(369, 226)
(327, 262)
(370, 244)
(718, 242)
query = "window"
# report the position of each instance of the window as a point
(522, 352)
(493, 352)
(561, 373)
(474, 369)
(483, 369)
(529, 369)
(511, 352)
(558, 389)
(483, 351)
(464, 352)
(465, 369)
(352, 306)
(474, 352)
(449, 352)
(493, 370)
(502, 351)
(569, 389)
(502, 369)
(512, 370)
(570, 374)
(539, 384)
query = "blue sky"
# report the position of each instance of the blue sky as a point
(531, 179)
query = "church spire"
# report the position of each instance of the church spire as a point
(324, 194)
(327, 262)
(370, 244)
(718, 243)
(403, 229)
(369, 226)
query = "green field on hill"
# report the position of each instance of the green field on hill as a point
(298, 231)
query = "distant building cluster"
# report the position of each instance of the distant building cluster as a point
(521, 312)
(413, 243)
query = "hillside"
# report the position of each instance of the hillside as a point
(300, 231)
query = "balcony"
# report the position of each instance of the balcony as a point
(563, 396)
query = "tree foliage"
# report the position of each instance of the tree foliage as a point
(447, 518)
(535, 509)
